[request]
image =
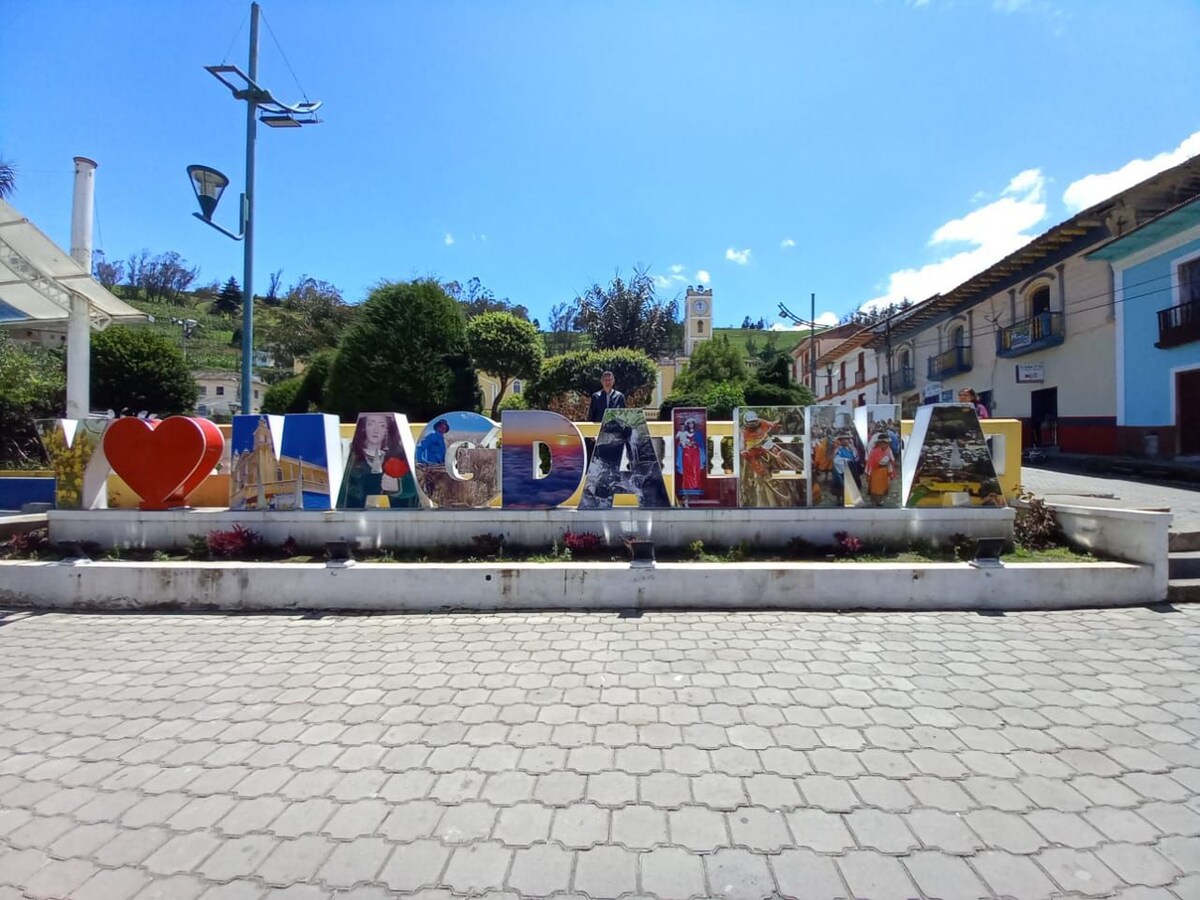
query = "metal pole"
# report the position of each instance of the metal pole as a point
(812, 323)
(79, 319)
(248, 223)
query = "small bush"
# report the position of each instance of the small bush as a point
(1035, 526)
(696, 550)
(962, 545)
(237, 543)
(848, 544)
(289, 547)
(26, 545)
(488, 544)
(799, 548)
(582, 541)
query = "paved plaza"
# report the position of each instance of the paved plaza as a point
(673, 755)
(1072, 487)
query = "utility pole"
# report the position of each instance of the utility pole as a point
(248, 221)
(812, 322)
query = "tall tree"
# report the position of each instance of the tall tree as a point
(164, 277)
(33, 385)
(107, 273)
(310, 318)
(563, 334)
(406, 351)
(475, 299)
(136, 369)
(506, 348)
(628, 314)
(229, 301)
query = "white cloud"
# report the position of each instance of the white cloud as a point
(448, 240)
(1010, 6)
(677, 269)
(991, 232)
(825, 318)
(1091, 189)
(703, 277)
(787, 244)
(741, 257)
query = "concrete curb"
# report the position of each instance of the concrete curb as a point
(574, 586)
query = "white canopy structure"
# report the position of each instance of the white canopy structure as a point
(38, 280)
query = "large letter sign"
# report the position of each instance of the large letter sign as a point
(457, 461)
(878, 428)
(769, 456)
(624, 437)
(947, 462)
(284, 462)
(163, 462)
(835, 457)
(527, 484)
(379, 470)
(80, 468)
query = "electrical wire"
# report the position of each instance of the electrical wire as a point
(236, 35)
(1067, 312)
(286, 61)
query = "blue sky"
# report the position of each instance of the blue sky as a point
(859, 150)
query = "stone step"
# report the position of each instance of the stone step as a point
(1183, 565)
(1184, 590)
(1183, 541)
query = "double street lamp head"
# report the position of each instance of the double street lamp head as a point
(208, 184)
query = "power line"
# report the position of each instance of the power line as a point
(1108, 297)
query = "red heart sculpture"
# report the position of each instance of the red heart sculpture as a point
(214, 444)
(162, 462)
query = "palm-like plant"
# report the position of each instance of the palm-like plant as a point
(8, 179)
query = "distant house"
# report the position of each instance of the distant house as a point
(220, 393)
(1156, 275)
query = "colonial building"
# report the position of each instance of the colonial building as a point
(1034, 334)
(1156, 299)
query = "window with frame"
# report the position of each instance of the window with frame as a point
(516, 386)
(1189, 281)
(1037, 301)
(220, 390)
(958, 337)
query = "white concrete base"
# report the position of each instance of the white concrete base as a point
(1135, 535)
(498, 586)
(538, 529)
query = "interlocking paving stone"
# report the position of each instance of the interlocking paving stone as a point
(605, 872)
(675, 755)
(541, 870)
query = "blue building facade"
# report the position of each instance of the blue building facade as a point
(1156, 283)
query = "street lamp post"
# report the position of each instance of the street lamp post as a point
(209, 183)
(189, 328)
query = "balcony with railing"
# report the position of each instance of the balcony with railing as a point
(952, 362)
(860, 378)
(1035, 333)
(841, 384)
(899, 380)
(1178, 325)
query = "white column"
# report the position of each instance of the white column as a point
(79, 320)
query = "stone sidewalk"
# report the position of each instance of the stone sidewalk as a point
(675, 755)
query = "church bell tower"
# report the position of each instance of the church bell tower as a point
(698, 316)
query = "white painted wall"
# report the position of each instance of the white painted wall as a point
(411, 588)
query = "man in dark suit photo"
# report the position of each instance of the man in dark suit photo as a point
(606, 398)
